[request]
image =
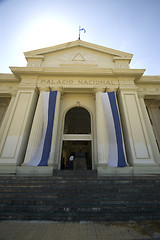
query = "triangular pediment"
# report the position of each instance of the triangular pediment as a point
(81, 43)
(76, 53)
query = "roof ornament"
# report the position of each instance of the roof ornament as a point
(81, 29)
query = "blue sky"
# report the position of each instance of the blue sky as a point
(131, 26)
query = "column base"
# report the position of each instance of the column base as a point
(7, 170)
(34, 171)
(114, 171)
(146, 170)
(128, 171)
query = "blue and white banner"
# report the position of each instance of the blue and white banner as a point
(116, 151)
(41, 155)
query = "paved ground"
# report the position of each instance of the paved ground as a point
(47, 230)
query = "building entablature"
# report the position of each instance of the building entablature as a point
(71, 78)
(8, 78)
(24, 72)
(148, 80)
(148, 87)
(8, 85)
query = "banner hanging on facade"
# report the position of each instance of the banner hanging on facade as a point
(41, 155)
(116, 151)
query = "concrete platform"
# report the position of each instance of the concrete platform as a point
(38, 230)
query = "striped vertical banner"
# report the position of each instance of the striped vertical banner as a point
(116, 151)
(41, 155)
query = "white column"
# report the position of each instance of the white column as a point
(136, 139)
(101, 131)
(150, 132)
(36, 131)
(37, 127)
(53, 157)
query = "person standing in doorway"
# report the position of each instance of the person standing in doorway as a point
(71, 159)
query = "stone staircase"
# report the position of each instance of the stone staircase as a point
(79, 196)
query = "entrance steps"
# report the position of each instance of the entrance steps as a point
(80, 163)
(75, 173)
(79, 196)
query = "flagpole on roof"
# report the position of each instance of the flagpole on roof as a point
(79, 33)
(81, 29)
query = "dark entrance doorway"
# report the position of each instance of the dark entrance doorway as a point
(81, 150)
(77, 139)
(77, 121)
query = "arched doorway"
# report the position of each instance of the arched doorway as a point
(77, 139)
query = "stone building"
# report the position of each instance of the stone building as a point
(79, 99)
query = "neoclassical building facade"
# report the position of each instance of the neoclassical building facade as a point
(79, 99)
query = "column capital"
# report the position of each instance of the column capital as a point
(127, 88)
(114, 89)
(13, 93)
(141, 94)
(56, 89)
(98, 90)
(25, 87)
(44, 89)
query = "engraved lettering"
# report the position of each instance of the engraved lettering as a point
(48, 81)
(79, 81)
(85, 82)
(91, 82)
(43, 81)
(59, 82)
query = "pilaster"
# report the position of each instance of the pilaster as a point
(53, 158)
(135, 134)
(16, 133)
(7, 114)
(150, 132)
(36, 131)
(101, 131)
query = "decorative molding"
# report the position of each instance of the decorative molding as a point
(78, 57)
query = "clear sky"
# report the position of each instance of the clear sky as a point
(131, 26)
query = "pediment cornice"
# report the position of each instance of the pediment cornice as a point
(80, 43)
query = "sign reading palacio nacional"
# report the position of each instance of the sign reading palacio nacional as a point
(82, 100)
